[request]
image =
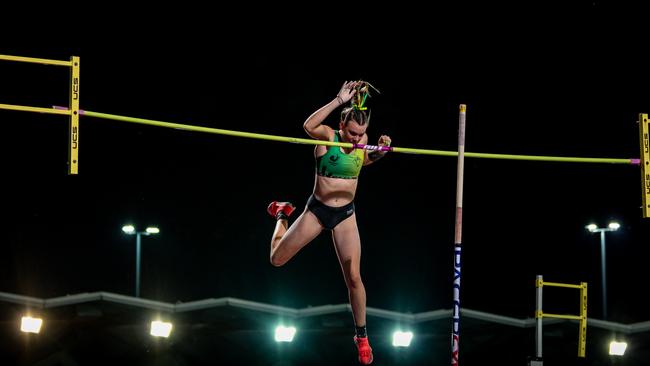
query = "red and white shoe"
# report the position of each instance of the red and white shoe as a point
(365, 351)
(278, 209)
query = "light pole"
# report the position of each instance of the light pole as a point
(130, 229)
(613, 226)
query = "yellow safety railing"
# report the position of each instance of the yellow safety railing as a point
(582, 318)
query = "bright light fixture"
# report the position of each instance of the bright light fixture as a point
(160, 329)
(284, 334)
(402, 339)
(617, 348)
(30, 325)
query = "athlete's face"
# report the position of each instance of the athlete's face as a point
(352, 132)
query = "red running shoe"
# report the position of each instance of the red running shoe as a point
(365, 352)
(279, 209)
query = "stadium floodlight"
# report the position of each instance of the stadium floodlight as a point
(284, 334)
(617, 348)
(29, 324)
(160, 328)
(402, 339)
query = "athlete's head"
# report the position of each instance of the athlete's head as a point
(353, 124)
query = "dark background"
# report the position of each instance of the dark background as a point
(537, 80)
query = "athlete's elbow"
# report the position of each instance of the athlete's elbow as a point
(308, 129)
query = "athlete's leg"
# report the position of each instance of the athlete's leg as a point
(287, 241)
(348, 249)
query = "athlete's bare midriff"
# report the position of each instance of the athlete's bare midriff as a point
(335, 192)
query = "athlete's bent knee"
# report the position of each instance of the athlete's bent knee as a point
(276, 261)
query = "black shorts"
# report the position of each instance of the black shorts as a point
(328, 216)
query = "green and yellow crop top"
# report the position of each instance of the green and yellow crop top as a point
(337, 164)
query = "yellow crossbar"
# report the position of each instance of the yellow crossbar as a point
(24, 108)
(36, 60)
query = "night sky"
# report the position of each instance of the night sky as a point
(560, 82)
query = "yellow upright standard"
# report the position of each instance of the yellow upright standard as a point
(73, 140)
(582, 336)
(645, 164)
(72, 111)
